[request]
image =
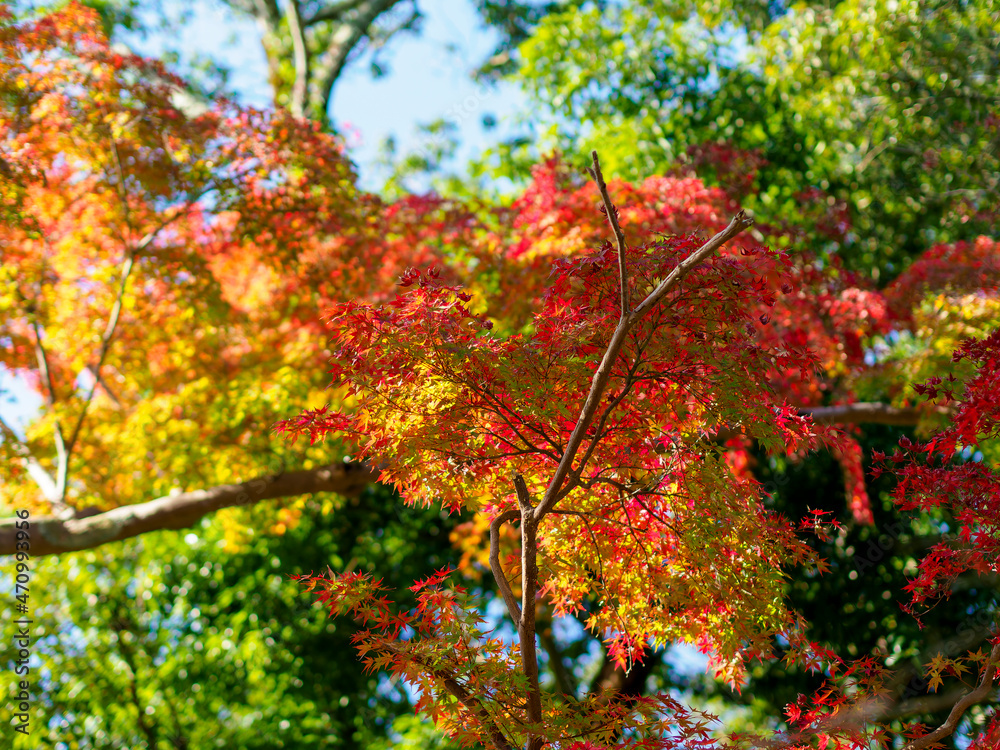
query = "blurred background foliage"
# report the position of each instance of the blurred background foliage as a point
(168, 641)
(874, 124)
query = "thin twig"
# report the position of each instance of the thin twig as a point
(612, 213)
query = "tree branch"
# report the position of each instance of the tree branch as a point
(42, 357)
(64, 446)
(266, 12)
(958, 710)
(865, 413)
(502, 583)
(133, 520)
(895, 701)
(742, 220)
(526, 623)
(66, 453)
(300, 89)
(612, 214)
(51, 535)
(600, 380)
(62, 450)
(925, 704)
(333, 12)
(343, 40)
(106, 337)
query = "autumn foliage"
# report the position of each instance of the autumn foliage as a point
(175, 282)
(653, 531)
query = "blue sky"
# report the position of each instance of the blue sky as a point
(428, 77)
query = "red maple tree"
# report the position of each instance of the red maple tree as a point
(602, 402)
(601, 432)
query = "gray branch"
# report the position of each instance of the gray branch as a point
(865, 413)
(328, 67)
(51, 535)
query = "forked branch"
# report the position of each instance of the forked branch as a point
(532, 515)
(603, 374)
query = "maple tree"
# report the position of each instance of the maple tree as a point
(307, 45)
(169, 278)
(594, 432)
(127, 215)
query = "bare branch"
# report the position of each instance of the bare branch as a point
(51, 535)
(741, 221)
(612, 213)
(502, 583)
(865, 413)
